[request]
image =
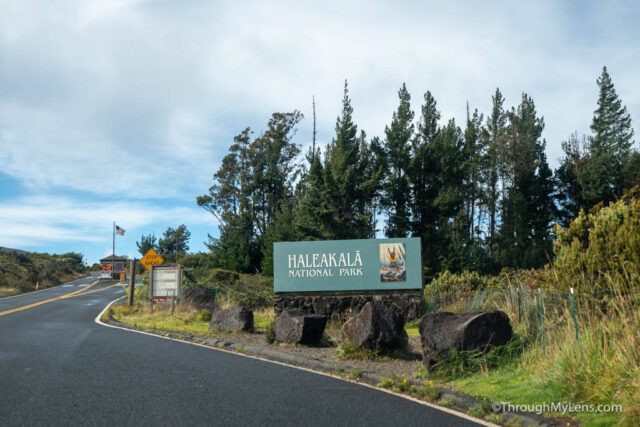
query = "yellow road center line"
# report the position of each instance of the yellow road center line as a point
(79, 292)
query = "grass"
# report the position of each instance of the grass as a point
(354, 374)
(412, 328)
(517, 386)
(8, 292)
(183, 319)
(262, 319)
(349, 351)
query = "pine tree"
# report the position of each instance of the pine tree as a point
(281, 230)
(237, 248)
(346, 188)
(492, 160)
(527, 207)
(314, 214)
(451, 232)
(146, 243)
(421, 176)
(397, 150)
(569, 192)
(610, 147)
(473, 148)
(174, 242)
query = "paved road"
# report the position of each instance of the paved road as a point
(32, 297)
(58, 367)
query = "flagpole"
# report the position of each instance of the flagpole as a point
(113, 249)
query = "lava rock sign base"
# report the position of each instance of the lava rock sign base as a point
(340, 307)
(441, 332)
(294, 326)
(377, 327)
(232, 319)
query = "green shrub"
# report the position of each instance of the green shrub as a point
(249, 291)
(203, 316)
(600, 252)
(24, 270)
(397, 383)
(427, 390)
(270, 333)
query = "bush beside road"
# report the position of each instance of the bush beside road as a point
(21, 271)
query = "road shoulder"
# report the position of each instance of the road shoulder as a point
(458, 404)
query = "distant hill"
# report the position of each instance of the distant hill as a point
(12, 251)
(20, 271)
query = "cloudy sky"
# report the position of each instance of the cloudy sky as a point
(122, 110)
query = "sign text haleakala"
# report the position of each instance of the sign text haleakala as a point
(325, 264)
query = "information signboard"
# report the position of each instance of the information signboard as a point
(164, 283)
(348, 265)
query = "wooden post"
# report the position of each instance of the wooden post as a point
(132, 281)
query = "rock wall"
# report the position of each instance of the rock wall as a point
(342, 307)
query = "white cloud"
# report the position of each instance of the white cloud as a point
(33, 221)
(142, 98)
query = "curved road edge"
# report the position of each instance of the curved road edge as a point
(468, 417)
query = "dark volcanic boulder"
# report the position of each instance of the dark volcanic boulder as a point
(200, 297)
(377, 327)
(441, 332)
(295, 326)
(231, 319)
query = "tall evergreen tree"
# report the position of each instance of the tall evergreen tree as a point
(527, 208)
(492, 159)
(473, 148)
(347, 189)
(421, 177)
(449, 173)
(569, 192)
(610, 147)
(397, 149)
(314, 215)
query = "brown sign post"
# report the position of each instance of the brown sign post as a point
(132, 281)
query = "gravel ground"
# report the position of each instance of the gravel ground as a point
(385, 366)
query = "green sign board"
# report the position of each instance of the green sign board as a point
(347, 265)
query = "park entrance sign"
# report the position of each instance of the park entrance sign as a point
(347, 265)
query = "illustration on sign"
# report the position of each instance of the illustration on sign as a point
(392, 266)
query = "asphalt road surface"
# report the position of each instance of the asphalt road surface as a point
(59, 367)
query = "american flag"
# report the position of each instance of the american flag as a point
(120, 231)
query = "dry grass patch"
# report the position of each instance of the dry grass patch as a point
(182, 318)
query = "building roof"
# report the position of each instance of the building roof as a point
(112, 258)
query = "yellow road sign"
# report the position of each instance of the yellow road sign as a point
(151, 258)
